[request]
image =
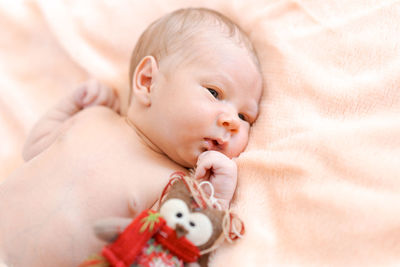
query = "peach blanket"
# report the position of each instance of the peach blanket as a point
(319, 183)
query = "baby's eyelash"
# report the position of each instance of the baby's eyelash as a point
(213, 92)
(246, 118)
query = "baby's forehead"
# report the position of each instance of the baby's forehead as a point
(206, 48)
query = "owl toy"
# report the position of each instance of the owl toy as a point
(188, 225)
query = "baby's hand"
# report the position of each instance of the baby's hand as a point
(221, 171)
(93, 93)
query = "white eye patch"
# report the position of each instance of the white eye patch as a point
(199, 227)
(174, 211)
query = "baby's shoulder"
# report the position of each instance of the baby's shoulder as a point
(96, 114)
(102, 130)
(96, 117)
(90, 124)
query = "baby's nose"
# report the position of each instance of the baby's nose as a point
(230, 121)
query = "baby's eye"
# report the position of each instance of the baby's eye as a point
(213, 92)
(242, 117)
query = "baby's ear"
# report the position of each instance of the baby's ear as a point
(143, 79)
(110, 228)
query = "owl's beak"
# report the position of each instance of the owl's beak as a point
(180, 230)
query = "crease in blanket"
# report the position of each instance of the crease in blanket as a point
(334, 23)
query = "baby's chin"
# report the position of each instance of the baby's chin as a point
(187, 161)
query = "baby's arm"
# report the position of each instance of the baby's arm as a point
(48, 128)
(221, 172)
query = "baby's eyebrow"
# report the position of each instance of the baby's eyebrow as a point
(223, 78)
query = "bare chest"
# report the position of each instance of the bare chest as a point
(96, 169)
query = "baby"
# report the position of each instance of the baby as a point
(195, 87)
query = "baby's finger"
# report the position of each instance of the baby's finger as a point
(116, 105)
(200, 173)
(204, 166)
(78, 95)
(108, 97)
(91, 95)
(105, 96)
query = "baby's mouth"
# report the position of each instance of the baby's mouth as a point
(213, 144)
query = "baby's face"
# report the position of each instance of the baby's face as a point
(207, 103)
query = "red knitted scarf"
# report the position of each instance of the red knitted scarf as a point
(180, 247)
(123, 252)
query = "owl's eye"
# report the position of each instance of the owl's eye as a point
(197, 224)
(174, 211)
(200, 229)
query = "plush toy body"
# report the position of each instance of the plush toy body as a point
(186, 227)
(147, 241)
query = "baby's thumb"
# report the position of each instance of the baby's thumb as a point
(201, 173)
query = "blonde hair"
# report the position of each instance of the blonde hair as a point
(175, 30)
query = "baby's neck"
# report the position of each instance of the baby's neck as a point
(142, 137)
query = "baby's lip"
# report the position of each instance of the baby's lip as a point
(210, 144)
(214, 144)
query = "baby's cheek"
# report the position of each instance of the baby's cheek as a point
(234, 150)
(239, 144)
